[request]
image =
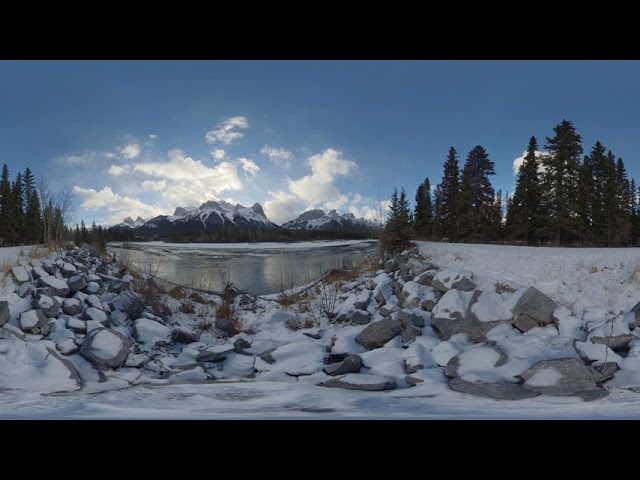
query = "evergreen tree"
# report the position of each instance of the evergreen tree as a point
(447, 198)
(560, 180)
(18, 209)
(397, 230)
(622, 226)
(602, 197)
(423, 214)
(476, 199)
(33, 220)
(526, 217)
(84, 234)
(77, 239)
(584, 207)
(635, 218)
(438, 213)
(497, 214)
(6, 202)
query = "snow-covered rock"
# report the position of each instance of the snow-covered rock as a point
(150, 332)
(536, 305)
(361, 381)
(376, 334)
(105, 348)
(56, 286)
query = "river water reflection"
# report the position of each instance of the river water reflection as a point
(259, 268)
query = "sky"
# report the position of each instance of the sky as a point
(139, 138)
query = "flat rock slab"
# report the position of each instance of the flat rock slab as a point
(56, 286)
(497, 391)
(361, 381)
(215, 354)
(564, 376)
(32, 319)
(617, 343)
(150, 332)
(376, 334)
(20, 275)
(105, 348)
(351, 364)
(4, 312)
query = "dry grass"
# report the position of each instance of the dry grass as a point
(187, 306)
(148, 293)
(37, 253)
(178, 293)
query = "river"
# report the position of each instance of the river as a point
(259, 268)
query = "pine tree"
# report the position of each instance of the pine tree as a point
(77, 239)
(18, 209)
(447, 198)
(476, 198)
(438, 213)
(497, 213)
(397, 230)
(33, 220)
(635, 218)
(562, 164)
(622, 226)
(526, 217)
(584, 207)
(423, 213)
(6, 202)
(84, 234)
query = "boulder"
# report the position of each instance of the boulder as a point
(407, 317)
(497, 390)
(446, 327)
(150, 332)
(241, 345)
(351, 364)
(361, 381)
(68, 269)
(362, 300)
(617, 343)
(360, 317)
(76, 325)
(603, 372)
(376, 334)
(445, 280)
(71, 306)
(409, 334)
(105, 348)
(536, 305)
(32, 319)
(77, 282)
(564, 376)
(25, 290)
(184, 335)
(49, 305)
(4, 312)
(20, 275)
(91, 288)
(215, 354)
(475, 329)
(524, 323)
(57, 287)
(97, 315)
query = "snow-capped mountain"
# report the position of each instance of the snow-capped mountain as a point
(209, 216)
(318, 220)
(130, 223)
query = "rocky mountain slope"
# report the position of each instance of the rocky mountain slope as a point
(318, 220)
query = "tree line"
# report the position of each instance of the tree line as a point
(561, 198)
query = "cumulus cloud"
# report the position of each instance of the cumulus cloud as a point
(189, 181)
(520, 160)
(218, 154)
(319, 187)
(153, 185)
(117, 170)
(279, 156)
(282, 207)
(130, 151)
(249, 166)
(72, 159)
(227, 132)
(119, 206)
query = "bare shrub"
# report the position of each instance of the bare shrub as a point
(178, 293)
(147, 293)
(188, 305)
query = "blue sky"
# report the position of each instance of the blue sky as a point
(142, 137)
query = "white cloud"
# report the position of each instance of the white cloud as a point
(279, 156)
(282, 207)
(73, 159)
(226, 132)
(218, 154)
(375, 210)
(119, 206)
(189, 181)
(153, 185)
(116, 170)
(319, 187)
(249, 166)
(153, 136)
(130, 151)
(110, 155)
(519, 161)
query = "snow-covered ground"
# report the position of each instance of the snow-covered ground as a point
(584, 280)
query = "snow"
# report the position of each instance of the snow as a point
(29, 319)
(493, 306)
(151, 332)
(544, 377)
(55, 283)
(453, 302)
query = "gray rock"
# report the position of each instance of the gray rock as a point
(536, 305)
(241, 345)
(91, 288)
(224, 325)
(636, 311)
(32, 319)
(4, 312)
(409, 334)
(497, 391)
(57, 287)
(77, 282)
(409, 318)
(361, 317)
(376, 334)
(267, 357)
(451, 369)
(67, 346)
(215, 354)
(426, 278)
(184, 335)
(25, 290)
(428, 304)
(97, 315)
(362, 301)
(524, 323)
(351, 364)
(604, 372)
(20, 275)
(419, 266)
(465, 284)
(49, 267)
(76, 325)
(49, 305)
(361, 381)
(592, 395)
(476, 330)
(68, 269)
(446, 327)
(617, 343)
(564, 376)
(71, 306)
(112, 357)
(73, 373)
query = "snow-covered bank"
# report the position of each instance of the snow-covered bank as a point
(402, 340)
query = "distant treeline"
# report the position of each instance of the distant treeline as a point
(235, 234)
(561, 198)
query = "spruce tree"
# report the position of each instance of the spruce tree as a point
(6, 202)
(423, 213)
(84, 234)
(562, 165)
(526, 217)
(584, 208)
(635, 218)
(476, 199)
(447, 198)
(18, 209)
(33, 220)
(622, 226)
(397, 231)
